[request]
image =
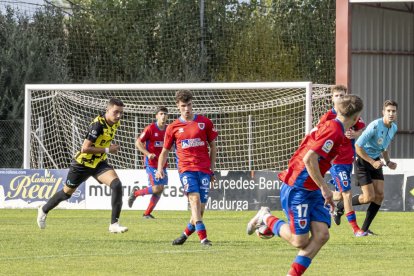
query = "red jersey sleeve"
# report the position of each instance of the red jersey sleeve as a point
(169, 137)
(211, 131)
(326, 137)
(145, 135)
(359, 125)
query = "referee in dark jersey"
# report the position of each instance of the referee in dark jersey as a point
(91, 161)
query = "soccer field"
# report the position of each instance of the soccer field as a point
(76, 242)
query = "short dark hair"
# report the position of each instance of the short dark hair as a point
(350, 105)
(114, 101)
(390, 102)
(161, 108)
(183, 96)
(340, 88)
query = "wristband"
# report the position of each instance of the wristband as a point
(106, 150)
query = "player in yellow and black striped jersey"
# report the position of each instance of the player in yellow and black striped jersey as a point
(91, 161)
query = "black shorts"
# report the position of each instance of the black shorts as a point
(366, 172)
(79, 173)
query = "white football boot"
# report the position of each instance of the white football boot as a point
(257, 220)
(41, 217)
(117, 228)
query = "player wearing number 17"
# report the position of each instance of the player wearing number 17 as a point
(192, 135)
(304, 194)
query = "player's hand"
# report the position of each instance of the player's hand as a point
(350, 134)
(392, 165)
(151, 156)
(328, 196)
(114, 148)
(212, 179)
(159, 174)
(377, 164)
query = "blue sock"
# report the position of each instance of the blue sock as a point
(276, 227)
(303, 260)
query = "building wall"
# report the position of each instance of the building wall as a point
(382, 57)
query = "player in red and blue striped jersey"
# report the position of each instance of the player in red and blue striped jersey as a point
(150, 143)
(304, 194)
(194, 138)
(342, 165)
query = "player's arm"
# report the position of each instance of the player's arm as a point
(162, 159)
(312, 166)
(388, 162)
(142, 148)
(213, 157)
(363, 154)
(88, 146)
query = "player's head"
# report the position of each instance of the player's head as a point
(114, 111)
(389, 111)
(161, 114)
(338, 92)
(184, 100)
(350, 107)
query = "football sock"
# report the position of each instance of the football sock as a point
(116, 200)
(340, 205)
(351, 216)
(201, 230)
(299, 265)
(142, 192)
(189, 229)
(371, 213)
(355, 200)
(274, 224)
(153, 202)
(55, 200)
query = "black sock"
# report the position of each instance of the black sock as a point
(340, 205)
(116, 201)
(55, 200)
(371, 213)
(355, 200)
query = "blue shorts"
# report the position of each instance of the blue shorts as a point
(302, 207)
(196, 182)
(341, 177)
(156, 181)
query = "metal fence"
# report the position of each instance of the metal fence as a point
(11, 143)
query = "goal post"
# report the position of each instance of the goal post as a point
(260, 123)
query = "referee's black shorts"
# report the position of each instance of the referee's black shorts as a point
(365, 172)
(78, 173)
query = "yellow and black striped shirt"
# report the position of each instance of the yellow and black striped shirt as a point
(101, 135)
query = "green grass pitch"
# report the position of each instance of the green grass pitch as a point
(77, 242)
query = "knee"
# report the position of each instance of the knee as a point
(116, 184)
(367, 198)
(300, 243)
(323, 237)
(379, 197)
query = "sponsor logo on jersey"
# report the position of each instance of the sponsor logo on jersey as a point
(302, 223)
(190, 143)
(180, 130)
(156, 134)
(327, 146)
(159, 144)
(201, 126)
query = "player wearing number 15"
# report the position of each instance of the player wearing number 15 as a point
(304, 194)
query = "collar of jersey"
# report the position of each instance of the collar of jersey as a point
(185, 122)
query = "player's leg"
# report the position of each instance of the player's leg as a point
(375, 205)
(157, 187)
(76, 175)
(107, 175)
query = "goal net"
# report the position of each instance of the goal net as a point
(259, 124)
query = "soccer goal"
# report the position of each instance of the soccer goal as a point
(259, 124)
